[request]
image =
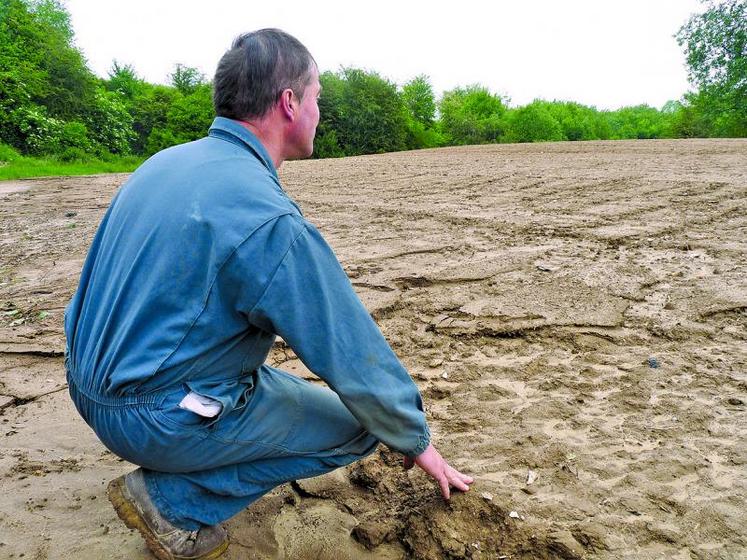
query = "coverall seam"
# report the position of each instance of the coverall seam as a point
(277, 268)
(210, 290)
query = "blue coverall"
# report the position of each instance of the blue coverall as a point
(200, 261)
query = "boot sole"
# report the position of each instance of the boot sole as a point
(132, 519)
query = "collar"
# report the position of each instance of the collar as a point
(232, 131)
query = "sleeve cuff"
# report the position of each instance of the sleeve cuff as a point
(423, 442)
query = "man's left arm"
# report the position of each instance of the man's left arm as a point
(311, 304)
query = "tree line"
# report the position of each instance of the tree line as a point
(52, 104)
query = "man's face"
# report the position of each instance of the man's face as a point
(303, 130)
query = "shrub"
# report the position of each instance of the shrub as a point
(73, 154)
(8, 153)
(533, 123)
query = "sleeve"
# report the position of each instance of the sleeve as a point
(310, 303)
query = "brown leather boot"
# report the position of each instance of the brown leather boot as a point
(130, 498)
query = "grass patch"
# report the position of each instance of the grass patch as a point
(23, 167)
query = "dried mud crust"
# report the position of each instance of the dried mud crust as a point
(574, 313)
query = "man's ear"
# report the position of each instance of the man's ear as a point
(287, 106)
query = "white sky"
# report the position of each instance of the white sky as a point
(606, 53)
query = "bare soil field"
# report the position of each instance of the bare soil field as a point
(575, 315)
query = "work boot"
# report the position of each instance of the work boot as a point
(130, 498)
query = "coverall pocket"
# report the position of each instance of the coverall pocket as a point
(170, 413)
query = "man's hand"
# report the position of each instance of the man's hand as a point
(446, 476)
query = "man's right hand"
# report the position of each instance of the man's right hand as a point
(443, 473)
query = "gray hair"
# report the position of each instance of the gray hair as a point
(256, 69)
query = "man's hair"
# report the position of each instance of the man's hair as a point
(256, 69)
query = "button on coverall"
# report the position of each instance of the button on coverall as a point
(200, 261)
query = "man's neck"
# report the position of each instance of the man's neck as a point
(270, 138)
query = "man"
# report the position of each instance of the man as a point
(200, 261)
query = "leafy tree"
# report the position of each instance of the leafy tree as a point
(109, 124)
(186, 79)
(124, 80)
(420, 100)
(365, 111)
(534, 123)
(42, 75)
(188, 118)
(472, 115)
(149, 110)
(715, 44)
(638, 122)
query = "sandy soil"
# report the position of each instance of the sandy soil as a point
(574, 313)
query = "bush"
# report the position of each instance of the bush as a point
(73, 154)
(8, 153)
(472, 116)
(109, 123)
(533, 123)
(74, 135)
(365, 111)
(39, 132)
(327, 146)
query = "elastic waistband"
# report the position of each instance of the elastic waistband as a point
(145, 399)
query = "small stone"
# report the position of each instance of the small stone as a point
(487, 496)
(514, 515)
(531, 476)
(444, 375)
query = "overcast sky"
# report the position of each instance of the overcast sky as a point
(606, 53)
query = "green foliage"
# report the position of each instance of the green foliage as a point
(533, 123)
(639, 122)
(188, 118)
(715, 44)
(186, 79)
(109, 123)
(327, 146)
(21, 166)
(365, 111)
(124, 80)
(420, 101)
(8, 154)
(472, 115)
(53, 107)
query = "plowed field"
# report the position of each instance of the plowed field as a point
(575, 315)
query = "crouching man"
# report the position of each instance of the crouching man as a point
(201, 260)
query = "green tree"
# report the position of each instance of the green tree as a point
(109, 123)
(44, 79)
(124, 80)
(365, 111)
(420, 100)
(639, 122)
(186, 79)
(188, 118)
(472, 115)
(715, 44)
(533, 123)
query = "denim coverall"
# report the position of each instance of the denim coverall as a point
(200, 261)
